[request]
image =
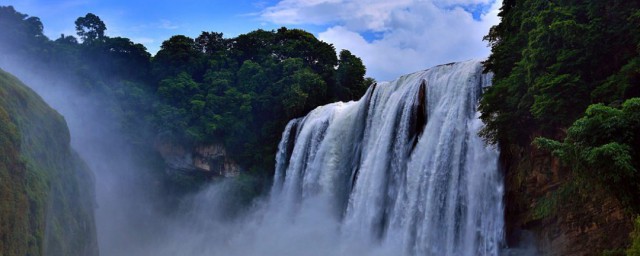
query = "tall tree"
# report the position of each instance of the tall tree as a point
(350, 79)
(90, 28)
(178, 54)
(20, 33)
(211, 42)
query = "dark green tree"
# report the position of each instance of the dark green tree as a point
(68, 40)
(350, 79)
(90, 28)
(178, 54)
(21, 34)
(181, 103)
(128, 60)
(211, 43)
(302, 87)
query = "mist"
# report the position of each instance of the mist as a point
(316, 206)
(126, 214)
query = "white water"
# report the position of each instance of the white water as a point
(442, 196)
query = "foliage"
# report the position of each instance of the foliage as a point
(90, 28)
(350, 76)
(178, 54)
(20, 33)
(602, 148)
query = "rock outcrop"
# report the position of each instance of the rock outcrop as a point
(211, 159)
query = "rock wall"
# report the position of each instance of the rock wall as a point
(541, 200)
(209, 159)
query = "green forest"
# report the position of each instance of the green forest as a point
(238, 91)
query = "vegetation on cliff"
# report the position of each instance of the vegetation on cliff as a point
(46, 190)
(567, 71)
(602, 149)
(551, 61)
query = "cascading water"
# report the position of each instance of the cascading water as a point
(402, 169)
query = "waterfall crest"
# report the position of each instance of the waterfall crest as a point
(403, 168)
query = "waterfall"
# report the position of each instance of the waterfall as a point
(402, 169)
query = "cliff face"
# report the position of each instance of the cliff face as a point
(211, 160)
(46, 190)
(542, 200)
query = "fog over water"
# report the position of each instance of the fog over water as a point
(402, 171)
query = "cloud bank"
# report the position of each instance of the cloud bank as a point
(396, 37)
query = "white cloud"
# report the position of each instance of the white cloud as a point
(414, 34)
(357, 14)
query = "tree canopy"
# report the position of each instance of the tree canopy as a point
(90, 28)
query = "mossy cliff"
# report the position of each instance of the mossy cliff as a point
(46, 190)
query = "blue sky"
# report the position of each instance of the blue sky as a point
(392, 37)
